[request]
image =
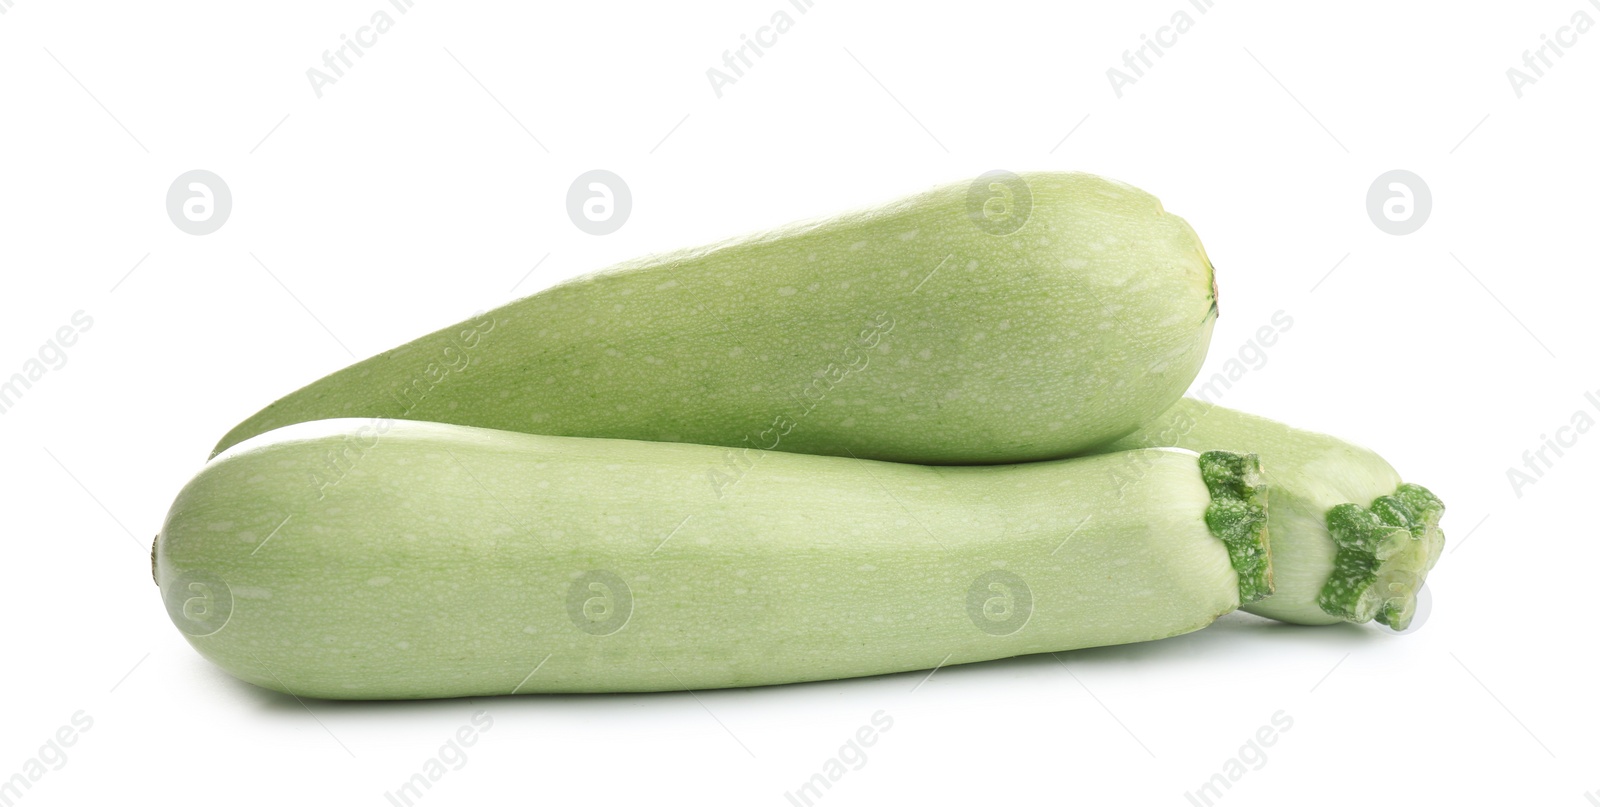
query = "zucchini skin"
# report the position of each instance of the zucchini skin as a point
(376, 560)
(907, 332)
(1350, 541)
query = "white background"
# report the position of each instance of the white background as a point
(430, 182)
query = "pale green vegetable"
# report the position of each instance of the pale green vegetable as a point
(1350, 541)
(353, 559)
(1011, 319)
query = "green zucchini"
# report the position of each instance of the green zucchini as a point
(920, 331)
(1350, 541)
(392, 559)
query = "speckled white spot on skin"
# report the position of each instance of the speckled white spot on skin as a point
(924, 354)
(907, 236)
(402, 645)
(220, 526)
(670, 284)
(787, 291)
(858, 246)
(1076, 263)
(382, 580)
(530, 630)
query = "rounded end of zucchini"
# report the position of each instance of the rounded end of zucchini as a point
(1237, 516)
(1383, 555)
(1212, 271)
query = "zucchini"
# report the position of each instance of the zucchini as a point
(1350, 541)
(392, 559)
(919, 331)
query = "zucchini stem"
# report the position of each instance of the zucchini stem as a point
(1383, 554)
(1237, 516)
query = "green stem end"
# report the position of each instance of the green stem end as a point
(1383, 556)
(1237, 516)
